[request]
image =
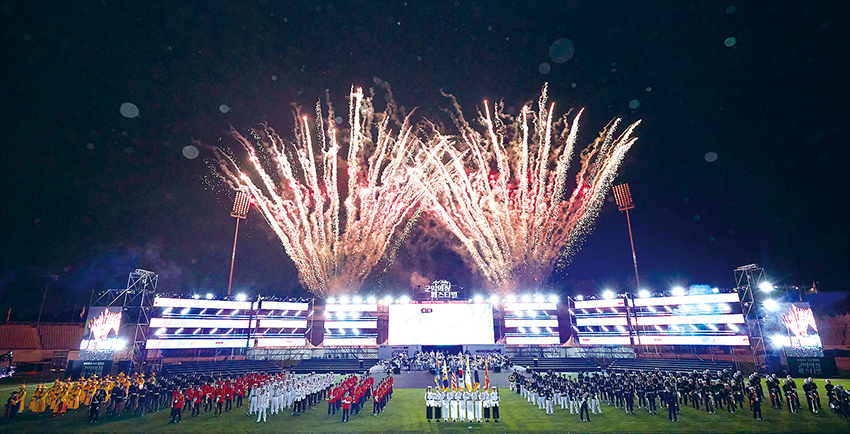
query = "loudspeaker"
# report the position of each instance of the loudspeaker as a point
(536, 362)
(497, 369)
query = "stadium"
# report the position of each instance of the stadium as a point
(446, 339)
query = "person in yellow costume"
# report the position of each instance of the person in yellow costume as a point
(22, 395)
(51, 395)
(38, 403)
(88, 392)
(74, 395)
(61, 401)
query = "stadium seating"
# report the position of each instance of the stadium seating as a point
(234, 367)
(20, 337)
(673, 365)
(336, 366)
(560, 364)
(60, 336)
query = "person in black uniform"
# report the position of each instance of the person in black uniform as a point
(143, 401)
(755, 403)
(583, 405)
(94, 408)
(118, 397)
(672, 405)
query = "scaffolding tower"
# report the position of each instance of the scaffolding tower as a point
(747, 280)
(136, 301)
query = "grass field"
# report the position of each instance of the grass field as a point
(405, 413)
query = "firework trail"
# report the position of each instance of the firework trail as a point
(503, 191)
(335, 218)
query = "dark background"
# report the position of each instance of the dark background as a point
(89, 195)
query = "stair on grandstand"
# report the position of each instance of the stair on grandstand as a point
(560, 364)
(337, 366)
(234, 367)
(673, 365)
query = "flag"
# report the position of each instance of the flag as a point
(454, 382)
(486, 376)
(468, 377)
(477, 383)
(445, 377)
(437, 373)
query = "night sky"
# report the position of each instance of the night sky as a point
(88, 194)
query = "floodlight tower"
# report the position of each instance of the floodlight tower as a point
(624, 203)
(240, 211)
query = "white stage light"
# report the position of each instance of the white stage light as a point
(715, 290)
(668, 309)
(388, 299)
(686, 308)
(657, 327)
(219, 311)
(614, 310)
(478, 299)
(621, 328)
(765, 286)
(724, 307)
(405, 299)
(511, 298)
(771, 305)
(235, 311)
(576, 329)
(356, 331)
(538, 298)
(342, 331)
(119, 344)
(535, 330)
(522, 329)
(371, 299)
(651, 309)
(354, 315)
(241, 297)
(712, 326)
(494, 299)
(549, 329)
(580, 297)
(358, 299)
(167, 310)
(531, 314)
(526, 298)
(271, 313)
(160, 331)
(331, 300)
(702, 306)
(185, 311)
(329, 315)
(178, 331)
(732, 327)
(196, 296)
(344, 299)
(604, 329)
(197, 330)
(297, 313)
(571, 312)
(607, 294)
(553, 298)
(644, 293)
(678, 291)
(212, 332)
(209, 296)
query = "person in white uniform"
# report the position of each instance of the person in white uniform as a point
(262, 405)
(446, 403)
(454, 405)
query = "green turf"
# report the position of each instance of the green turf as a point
(405, 413)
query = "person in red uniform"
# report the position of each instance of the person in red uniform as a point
(177, 406)
(346, 407)
(197, 396)
(228, 396)
(332, 402)
(219, 400)
(240, 393)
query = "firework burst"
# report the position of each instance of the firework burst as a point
(335, 217)
(504, 189)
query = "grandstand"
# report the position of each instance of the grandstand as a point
(235, 367)
(60, 336)
(671, 365)
(19, 337)
(337, 366)
(560, 364)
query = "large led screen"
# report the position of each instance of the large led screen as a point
(102, 327)
(440, 324)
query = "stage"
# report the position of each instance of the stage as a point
(423, 379)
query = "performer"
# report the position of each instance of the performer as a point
(429, 409)
(438, 405)
(454, 395)
(479, 405)
(673, 405)
(346, 407)
(583, 405)
(494, 403)
(177, 406)
(470, 406)
(94, 405)
(263, 405)
(445, 399)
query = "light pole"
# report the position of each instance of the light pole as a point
(624, 203)
(240, 211)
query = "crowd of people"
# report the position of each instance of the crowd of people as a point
(463, 405)
(651, 391)
(264, 394)
(428, 361)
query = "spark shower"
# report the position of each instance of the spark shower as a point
(500, 184)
